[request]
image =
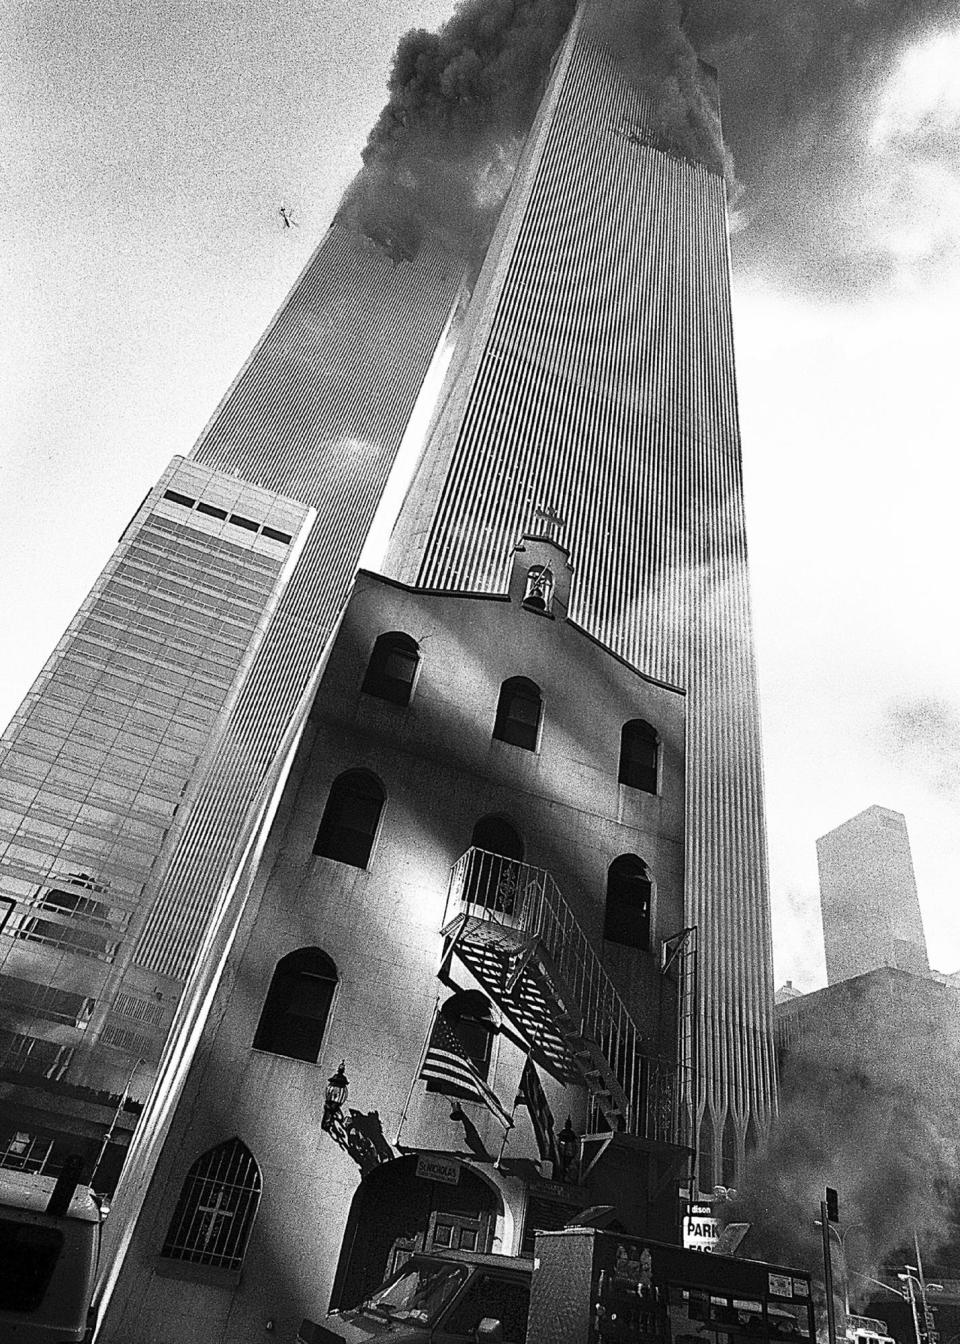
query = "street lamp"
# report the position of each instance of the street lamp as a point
(841, 1235)
(911, 1277)
(334, 1097)
(914, 1275)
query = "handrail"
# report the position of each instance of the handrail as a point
(527, 900)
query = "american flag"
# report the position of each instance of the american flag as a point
(532, 1096)
(445, 1062)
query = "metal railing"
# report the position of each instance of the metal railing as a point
(528, 901)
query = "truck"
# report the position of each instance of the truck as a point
(49, 1246)
(582, 1286)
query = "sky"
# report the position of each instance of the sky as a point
(148, 150)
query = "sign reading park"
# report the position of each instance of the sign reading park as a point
(700, 1228)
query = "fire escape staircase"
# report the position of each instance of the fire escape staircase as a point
(512, 928)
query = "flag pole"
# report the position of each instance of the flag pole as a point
(416, 1075)
(516, 1101)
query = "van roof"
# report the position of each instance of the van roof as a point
(518, 1262)
(30, 1192)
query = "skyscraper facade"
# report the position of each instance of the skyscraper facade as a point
(868, 897)
(131, 775)
(595, 383)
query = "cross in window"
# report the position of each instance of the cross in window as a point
(550, 519)
(218, 1212)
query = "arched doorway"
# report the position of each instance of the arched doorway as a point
(395, 1212)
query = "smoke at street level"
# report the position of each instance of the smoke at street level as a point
(867, 1108)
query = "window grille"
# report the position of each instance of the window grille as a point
(518, 713)
(639, 756)
(25, 1152)
(218, 1202)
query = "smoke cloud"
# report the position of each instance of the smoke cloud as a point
(443, 151)
(867, 1106)
(923, 734)
(846, 186)
(839, 185)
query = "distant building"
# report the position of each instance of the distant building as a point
(868, 897)
(786, 992)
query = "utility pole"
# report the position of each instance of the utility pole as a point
(829, 1213)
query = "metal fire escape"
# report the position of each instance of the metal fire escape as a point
(511, 927)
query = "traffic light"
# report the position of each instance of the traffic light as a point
(833, 1205)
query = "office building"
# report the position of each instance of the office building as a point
(868, 897)
(131, 776)
(595, 383)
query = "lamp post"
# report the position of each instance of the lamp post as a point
(841, 1234)
(911, 1277)
(914, 1275)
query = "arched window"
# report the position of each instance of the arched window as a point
(639, 752)
(538, 592)
(214, 1214)
(497, 836)
(350, 818)
(465, 1028)
(518, 713)
(628, 903)
(493, 878)
(392, 668)
(295, 1012)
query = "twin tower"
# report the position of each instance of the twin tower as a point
(578, 392)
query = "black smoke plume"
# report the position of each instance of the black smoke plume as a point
(442, 153)
(820, 202)
(802, 84)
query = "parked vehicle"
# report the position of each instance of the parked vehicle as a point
(49, 1246)
(459, 1295)
(584, 1286)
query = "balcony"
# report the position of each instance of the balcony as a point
(512, 928)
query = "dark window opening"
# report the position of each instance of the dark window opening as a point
(211, 510)
(493, 876)
(627, 920)
(639, 752)
(392, 668)
(297, 1005)
(275, 535)
(491, 1297)
(29, 1256)
(518, 713)
(177, 498)
(214, 1215)
(350, 819)
(248, 523)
